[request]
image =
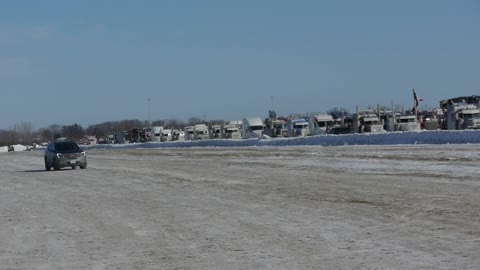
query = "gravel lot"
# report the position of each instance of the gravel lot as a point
(348, 207)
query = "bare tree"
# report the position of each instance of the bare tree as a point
(338, 112)
(194, 121)
(23, 133)
(44, 135)
(174, 124)
(73, 132)
(55, 130)
(7, 137)
(158, 123)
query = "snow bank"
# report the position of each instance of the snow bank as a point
(390, 138)
(16, 148)
(19, 148)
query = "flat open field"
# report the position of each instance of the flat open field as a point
(346, 207)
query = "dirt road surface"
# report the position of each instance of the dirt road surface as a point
(351, 207)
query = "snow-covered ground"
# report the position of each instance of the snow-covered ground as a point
(346, 207)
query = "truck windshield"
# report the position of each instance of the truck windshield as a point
(256, 127)
(471, 116)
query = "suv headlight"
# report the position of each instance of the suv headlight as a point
(60, 155)
(83, 154)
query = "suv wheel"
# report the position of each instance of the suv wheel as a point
(47, 167)
(55, 165)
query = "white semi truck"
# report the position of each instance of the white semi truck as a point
(157, 133)
(298, 128)
(367, 121)
(252, 127)
(201, 132)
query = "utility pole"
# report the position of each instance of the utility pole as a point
(273, 113)
(416, 105)
(149, 120)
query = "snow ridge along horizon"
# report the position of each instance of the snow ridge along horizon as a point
(387, 138)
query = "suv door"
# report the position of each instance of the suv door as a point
(49, 154)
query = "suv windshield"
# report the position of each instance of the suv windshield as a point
(63, 146)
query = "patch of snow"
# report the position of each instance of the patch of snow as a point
(19, 147)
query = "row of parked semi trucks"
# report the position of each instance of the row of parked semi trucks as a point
(454, 114)
(161, 134)
(458, 113)
(253, 127)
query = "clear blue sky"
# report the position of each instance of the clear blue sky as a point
(86, 62)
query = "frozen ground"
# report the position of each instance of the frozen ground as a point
(296, 207)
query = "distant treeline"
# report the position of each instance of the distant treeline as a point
(24, 133)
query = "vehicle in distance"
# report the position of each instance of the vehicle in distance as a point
(64, 154)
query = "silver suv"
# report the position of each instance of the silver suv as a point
(64, 154)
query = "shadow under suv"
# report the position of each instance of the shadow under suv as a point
(64, 154)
